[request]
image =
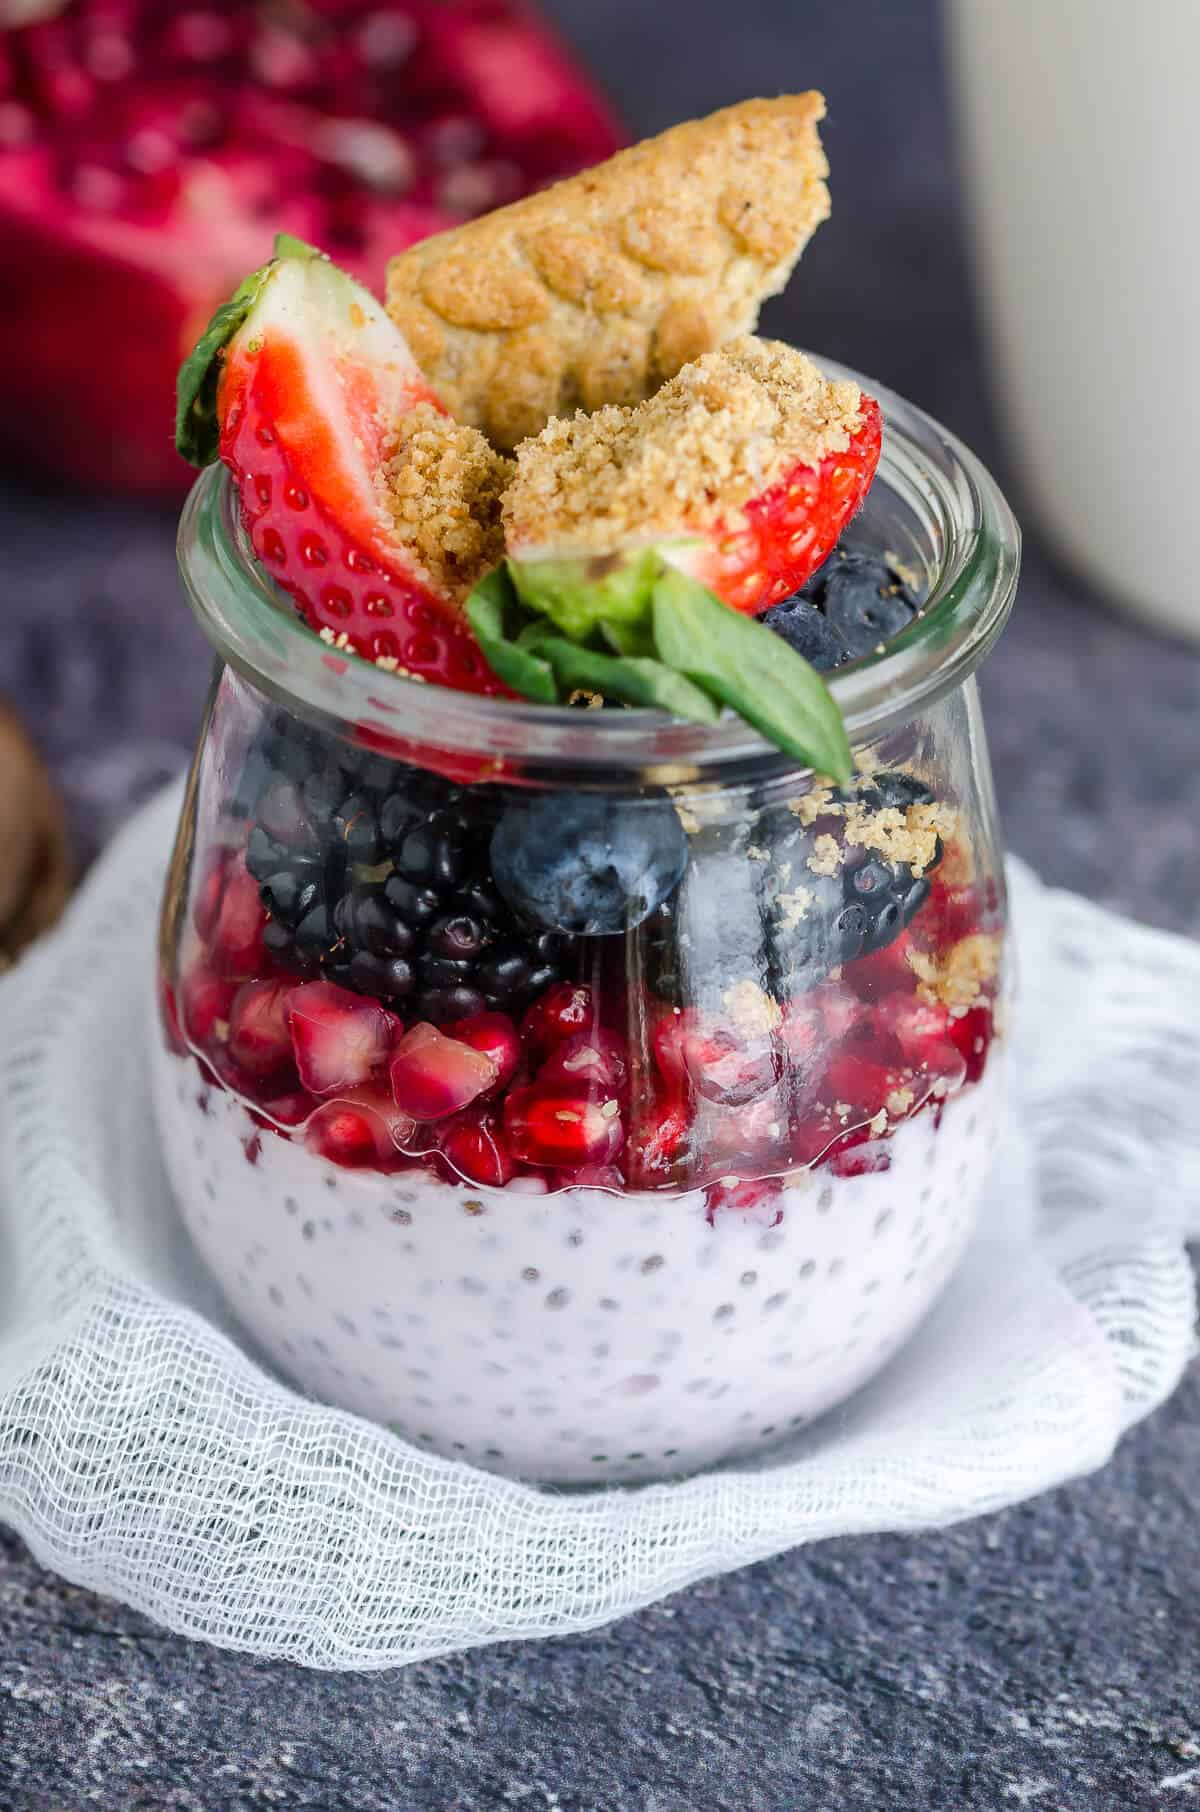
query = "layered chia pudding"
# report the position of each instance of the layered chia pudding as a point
(584, 1082)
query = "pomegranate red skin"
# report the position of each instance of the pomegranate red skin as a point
(149, 153)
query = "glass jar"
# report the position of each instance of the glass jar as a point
(587, 1180)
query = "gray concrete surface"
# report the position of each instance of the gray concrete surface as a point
(1045, 1657)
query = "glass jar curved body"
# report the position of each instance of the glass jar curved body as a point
(587, 1180)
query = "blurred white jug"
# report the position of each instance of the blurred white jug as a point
(1078, 124)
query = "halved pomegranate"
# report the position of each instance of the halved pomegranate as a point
(148, 150)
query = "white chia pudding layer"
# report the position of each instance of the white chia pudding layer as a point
(575, 1337)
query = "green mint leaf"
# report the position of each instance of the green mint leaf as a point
(753, 671)
(579, 594)
(633, 679)
(490, 610)
(197, 431)
(288, 246)
(631, 638)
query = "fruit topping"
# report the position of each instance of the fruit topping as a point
(587, 864)
(563, 1124)
(147, 151)
(597, 290)
(360, 1128)
(496, 1036)
(852, 606)
(260, 1038)
(479, 1149)
(364, 501)
(338, 1037)
(433, 1076)
(595, 1058)
(398, 900)
(742, 470)
(207, 1001)
(567, 1010)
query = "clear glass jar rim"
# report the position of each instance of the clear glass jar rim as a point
(254, 628)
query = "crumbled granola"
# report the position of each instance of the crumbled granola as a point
(718, 434)
(441, 485)
(960, 977)
(753, 1012)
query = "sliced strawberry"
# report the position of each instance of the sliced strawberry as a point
(479, 1150)
(434, 1076)
(496, 1036)
(742, 471)
(563, 1125)
(789, 529)
(339, 1038)
(308, 380)
(260, 1038)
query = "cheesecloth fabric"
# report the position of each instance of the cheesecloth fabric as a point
(145, 1455)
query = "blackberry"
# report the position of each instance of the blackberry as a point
(377, 876)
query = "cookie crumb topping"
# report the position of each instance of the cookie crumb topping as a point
(721, 432)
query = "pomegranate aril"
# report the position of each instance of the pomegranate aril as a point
(364, 1126)
(563, 1010)
(291, 1109)
(856, 1154)
(260, 1039)
(207, 1001)
(657, 1150)
(858, 1082)
(595, 1059)
(236, 946)
(481, 1152)
(339, 1038)
(591, 1176)
(562, 1125)
(496, 1036)
(916, 1026)
(738, 1196)
(971, 1034)
(206, 903)
(434, 1076)
(723, 1069)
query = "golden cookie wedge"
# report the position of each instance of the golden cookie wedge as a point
(601, 288)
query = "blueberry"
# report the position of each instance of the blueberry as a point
(587, 865)
(864, 600)
(808, 631)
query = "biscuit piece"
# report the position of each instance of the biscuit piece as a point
(718, 434)
(441, 485)
(599, 289)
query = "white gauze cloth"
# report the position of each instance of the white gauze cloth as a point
(145, 1455)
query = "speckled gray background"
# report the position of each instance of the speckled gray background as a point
(1046, 1657)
